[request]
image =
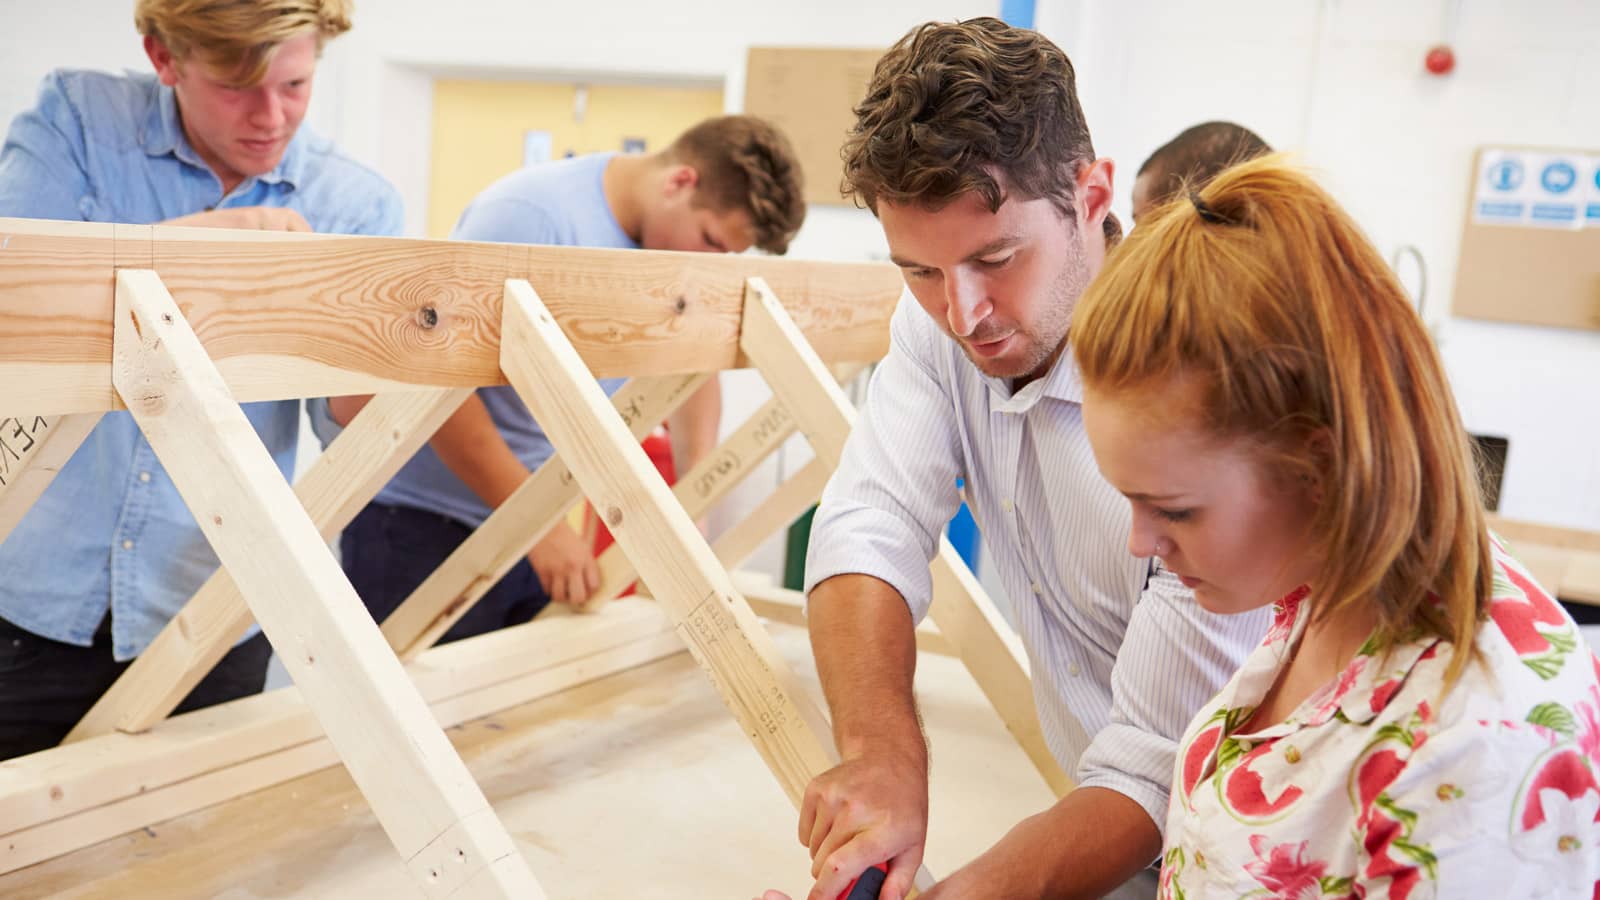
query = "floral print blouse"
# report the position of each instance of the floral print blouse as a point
(1373, 788)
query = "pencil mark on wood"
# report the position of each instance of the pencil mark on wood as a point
(18, 437)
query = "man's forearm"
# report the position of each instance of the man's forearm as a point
(468, 443)
(1087, 844)
(470, 446)
(693, 427)
(864, 642)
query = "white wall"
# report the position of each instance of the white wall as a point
(1341, 83)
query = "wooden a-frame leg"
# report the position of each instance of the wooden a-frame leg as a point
(520, 521)
(359, 462)
(418, 788)
(961, 609)
(32, 450)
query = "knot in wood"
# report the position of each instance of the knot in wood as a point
(681, 304)
(613, 516)
(428, 317)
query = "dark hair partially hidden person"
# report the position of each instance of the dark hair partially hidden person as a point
(1190, 160)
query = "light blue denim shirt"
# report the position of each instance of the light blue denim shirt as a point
(111, 531)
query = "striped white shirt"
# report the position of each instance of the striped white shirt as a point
(1122, 656)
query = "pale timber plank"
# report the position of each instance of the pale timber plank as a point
(722, 633)
(418, 788)
(213, 755)
(521, 520)
(359, 462)
(316, 315)
(32, 450)
(961, 609)
(1519, 531)
(652, 738)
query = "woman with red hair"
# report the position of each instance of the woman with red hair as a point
(1422, 719)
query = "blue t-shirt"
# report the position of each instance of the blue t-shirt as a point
(561, 203)
(111, 530)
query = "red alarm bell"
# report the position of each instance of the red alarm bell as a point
(1441, 60)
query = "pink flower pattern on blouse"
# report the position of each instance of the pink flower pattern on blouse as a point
(1373, 787)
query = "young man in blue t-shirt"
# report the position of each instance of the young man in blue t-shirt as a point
(725, 185)
(110, 552)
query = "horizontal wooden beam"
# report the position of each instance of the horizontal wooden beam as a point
(285, 315)
(65, 798)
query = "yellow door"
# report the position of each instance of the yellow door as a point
(480, 129)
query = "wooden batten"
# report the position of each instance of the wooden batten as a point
(286, 315)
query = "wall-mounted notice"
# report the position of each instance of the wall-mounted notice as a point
(1530, 249)
(1537, 189)
(1591, 213)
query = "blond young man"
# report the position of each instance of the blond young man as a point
(110, 552)
(725, 185)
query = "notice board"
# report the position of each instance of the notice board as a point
(1530, 248)
(810, 93)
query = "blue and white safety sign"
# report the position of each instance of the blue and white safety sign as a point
(1537, 189)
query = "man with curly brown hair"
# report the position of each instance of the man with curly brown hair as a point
(972, 150)
(722, 186)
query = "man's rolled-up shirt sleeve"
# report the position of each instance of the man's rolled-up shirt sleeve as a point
(1174, 658)
(895, 489)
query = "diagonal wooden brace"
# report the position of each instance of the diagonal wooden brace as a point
(418, 788)
(32, 450)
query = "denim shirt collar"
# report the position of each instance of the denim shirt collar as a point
(162, 134)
